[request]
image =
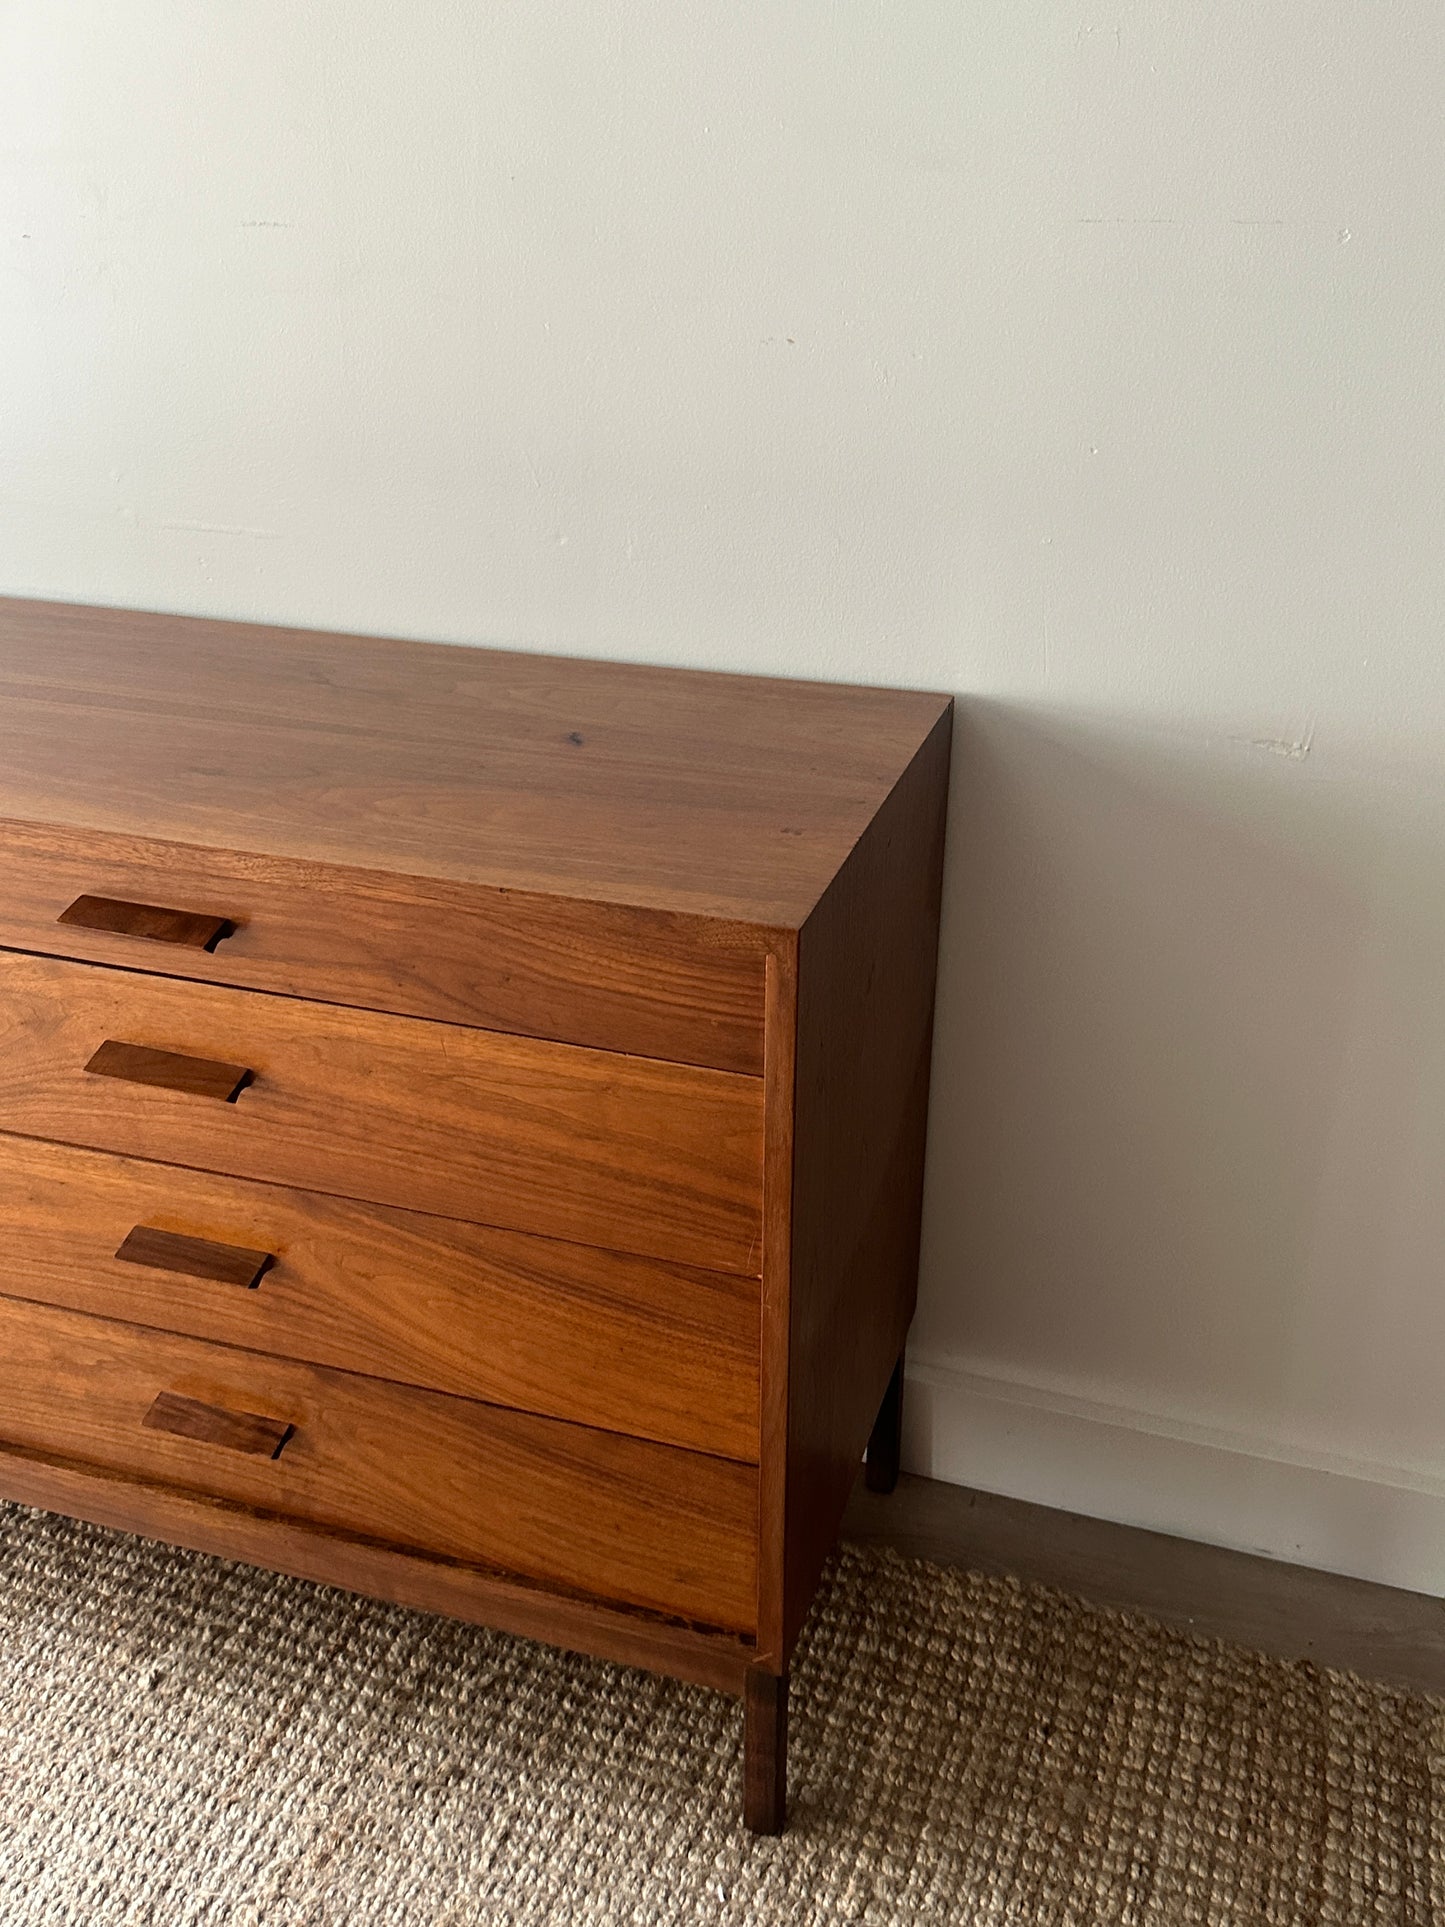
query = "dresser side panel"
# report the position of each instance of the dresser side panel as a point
(867, 962)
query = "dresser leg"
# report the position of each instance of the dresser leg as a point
(765, 1751)
(886, 1444)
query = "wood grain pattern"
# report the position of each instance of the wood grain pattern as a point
(866, 965)
(192, 1418)
(188, 1257)
(628, 1636)
(625, 1520)
(147, 922)
(626, 1344)
(660, 1159)
(649, 983)
(733, 797)
(169, 1070)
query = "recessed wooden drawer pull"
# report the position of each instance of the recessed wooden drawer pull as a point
(195, 1257)
(170, 1070)
(189, 1418)
(186, 927)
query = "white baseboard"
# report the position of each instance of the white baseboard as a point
(1379, 1522)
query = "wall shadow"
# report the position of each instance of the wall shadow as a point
(1188, 1120)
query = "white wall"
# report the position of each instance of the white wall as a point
(1087, 362)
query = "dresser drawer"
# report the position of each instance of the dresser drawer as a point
(615, 1517)
(628, 1344)
(645, 982)
(664, 1160)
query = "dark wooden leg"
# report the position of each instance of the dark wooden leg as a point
(765, 1751)
(881, 1463)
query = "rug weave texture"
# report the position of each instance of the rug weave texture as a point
(186, 1741)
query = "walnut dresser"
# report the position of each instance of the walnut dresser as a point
(462, 1120)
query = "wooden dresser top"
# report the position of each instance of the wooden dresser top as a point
(737, 797)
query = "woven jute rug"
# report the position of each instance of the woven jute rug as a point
(183, 1740)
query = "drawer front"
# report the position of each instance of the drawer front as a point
(617, 1518)
(635, 981)
(627, 1344)
(663, 1160)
